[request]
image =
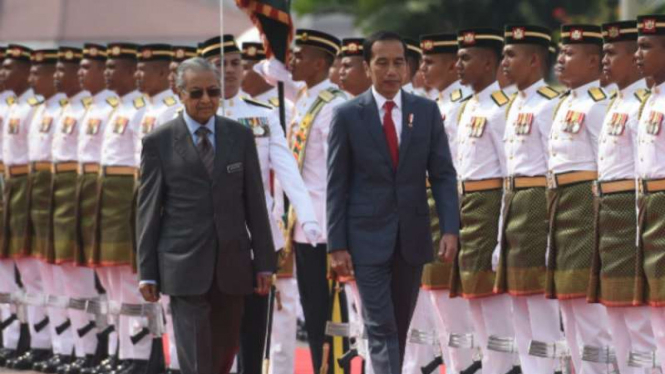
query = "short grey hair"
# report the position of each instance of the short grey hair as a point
(196, 64)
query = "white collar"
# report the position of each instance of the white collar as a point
(381, 100)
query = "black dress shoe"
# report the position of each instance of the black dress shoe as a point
(135, 367)
(6, 355)
(106, 365)
(79, 364)
(120, 367)
(515, 370)
(29, 358)
(52, 364)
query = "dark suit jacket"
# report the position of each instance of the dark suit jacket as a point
(191, 225)
(370, 205)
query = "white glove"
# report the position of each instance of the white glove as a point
(495, 257)
(272, 71)
(312, 232)
(547, 253)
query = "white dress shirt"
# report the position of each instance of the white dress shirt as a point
(396, 112)
(651, 136)
(528, 130)
(93, 125)
(40, 135)
(159, 109)
(315, 168)
(618, 138)
(119, 143)
(66, 131)
(573, 143)
(450, 103)
(273, 154)
(480, 152)
(15, 132)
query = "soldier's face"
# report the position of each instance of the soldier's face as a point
(619, 62)
(306, 61)
(472, 64)
(233, 72)
(65, 78)
(438, 69)
(197, 98)
(388, 67)
(119, 75)
(91, 75)
(353, 76)
(518, 62)
(173, 68)
(650, 56)
(579, 64)
(41, 79)
(14, 73)
(151, 77)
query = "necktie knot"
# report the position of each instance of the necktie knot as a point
(202, 131)
(388, 106)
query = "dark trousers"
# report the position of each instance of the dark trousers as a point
(388, 294)
(314, 291)
(207, 329)
(253, 334)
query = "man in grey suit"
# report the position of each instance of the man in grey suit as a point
(203, 228)
(383, 147)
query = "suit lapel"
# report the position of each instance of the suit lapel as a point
(370, 115)
(407, 110)
(183, 144)
(223, 146)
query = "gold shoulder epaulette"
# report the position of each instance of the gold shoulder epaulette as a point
(548, 92)
(87, 101)
(642, 94)
(326, 96)
(456, 95)
(597, 94)
(251, 101)
(170, 101)
(500, 98)
(139, 102)
(34, 101)
(274, 101)
(64, 102)
(113, 101)
(11, 100)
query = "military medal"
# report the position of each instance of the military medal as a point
(523, 123)
(477, 125)
(120, 125)
(14, 125)
(46, 124)
(148, 124)
(93, 126)
(69, 125)
(617, 124)
(573, 122)
(654, 123)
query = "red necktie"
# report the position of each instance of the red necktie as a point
(391, 132)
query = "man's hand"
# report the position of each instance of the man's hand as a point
(263, 283)
(149, 292)
(340, 261)
(448, 247)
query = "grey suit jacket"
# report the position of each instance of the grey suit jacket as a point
(370, 205)
(191, 225)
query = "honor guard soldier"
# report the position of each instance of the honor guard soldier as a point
(40, 140)
(481, 167)
(651, 174)
(573, 150)
(274, 154)
(352, 76)
(614, 263)
(413, 57)
(255, 85)
(152, 76)
(71, 282)
(520, 257)
(451, 315)
(13, 78)
(17, 235)
(89, 152)
(113, 248)
(180, 54)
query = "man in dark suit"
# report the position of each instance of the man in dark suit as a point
(383, 146)
(203, 226)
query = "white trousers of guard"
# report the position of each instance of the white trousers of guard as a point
(355, 293)
(418, 355)
(284, 327)
(12, 333)
(452, 316)
(536, 318)
(491, 316)
(631, 330)
(31, 278)
(63, 342)
(658, 325)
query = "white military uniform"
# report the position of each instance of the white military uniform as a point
(630, 327)
(119, 149)
(40, 140)
(271, 97)
(435, 310)
(483, 157)
(11, 333)
(15, 153)
(570, 152)
(535, 317)
(69, 280)
(275, 154)
(651, 165)
(89, 151)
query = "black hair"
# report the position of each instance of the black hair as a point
(380, 36)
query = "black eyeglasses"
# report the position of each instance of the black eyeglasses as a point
(212, 93)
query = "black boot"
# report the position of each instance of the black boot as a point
(77, 366)
(7, 354)
(29, 358)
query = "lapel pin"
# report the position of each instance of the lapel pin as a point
(411, 120)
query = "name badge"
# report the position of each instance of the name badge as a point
(120, 125)
(573, 122)
(234, 168)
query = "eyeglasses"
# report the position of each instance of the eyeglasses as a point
(212, 93)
